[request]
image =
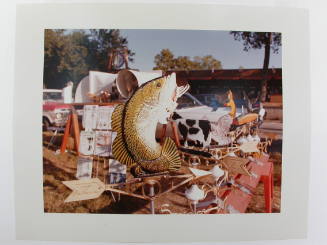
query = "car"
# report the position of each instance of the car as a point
(209, 100)
(55, 112)
(190, 107)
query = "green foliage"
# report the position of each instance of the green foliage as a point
(70, 55)
(257, 40)
(165, 61)
(105, 41)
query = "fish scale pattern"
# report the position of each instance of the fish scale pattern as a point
(135, 123)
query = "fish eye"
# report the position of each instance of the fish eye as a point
(158, 85)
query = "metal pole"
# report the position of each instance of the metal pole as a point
(151, 194)
(194, 204)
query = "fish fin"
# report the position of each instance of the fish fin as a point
(169, 150)
(117, 117)
(120, 152)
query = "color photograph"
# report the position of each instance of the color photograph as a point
(162, 121)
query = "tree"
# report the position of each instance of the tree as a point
(257, 40)
(165, 61)
(67, 56)
(106, 41)
(70, 55)
(208, 62)
(56, 65)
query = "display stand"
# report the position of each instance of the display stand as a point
(264, 174)
(72, 122)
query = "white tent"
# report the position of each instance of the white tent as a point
(94, 83)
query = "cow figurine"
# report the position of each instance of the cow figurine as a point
(193, 132)
(200, 133)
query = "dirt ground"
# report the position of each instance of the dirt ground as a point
(61, 167)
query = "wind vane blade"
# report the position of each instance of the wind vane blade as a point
(249, 147)
(199, 172)
(84, 189)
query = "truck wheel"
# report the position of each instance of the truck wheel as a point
(45, 124)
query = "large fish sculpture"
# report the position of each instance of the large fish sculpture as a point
(135, 123)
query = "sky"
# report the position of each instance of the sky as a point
(220, 44)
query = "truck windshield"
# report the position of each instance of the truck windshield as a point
(187, 101)
(53, 96)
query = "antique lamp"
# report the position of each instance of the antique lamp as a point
(194, 194)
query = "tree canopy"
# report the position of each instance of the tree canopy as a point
(258, 40)
(70, 55)
(165, 61)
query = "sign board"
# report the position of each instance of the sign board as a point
(250, 146)
(90, 117)
(84, 168)
(104, 117)
(199, 172)
(236, 165)
(113, 136)
(87, 142)
(102, 143)
(117, 172)
(237, 201)
(84, 189)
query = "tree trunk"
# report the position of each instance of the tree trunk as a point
(110, 59)
(265, 68)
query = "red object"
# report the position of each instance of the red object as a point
(71, 122)
(264, 174)
(268, 183)
(76, 132)
(66, 134)
(249, 182)
(175, 132)
(263, 157)
(163, 133)
(52, 105)
(239, 200)
(231, 74)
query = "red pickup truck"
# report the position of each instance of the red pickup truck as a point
(55, 112)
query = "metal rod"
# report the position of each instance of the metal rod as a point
(127, 193)
(175, 187)
(194, 205)
(151, 194)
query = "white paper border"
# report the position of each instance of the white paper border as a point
(33, 223)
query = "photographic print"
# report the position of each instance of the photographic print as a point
(193, 119)
(102, 143)
(84, 168)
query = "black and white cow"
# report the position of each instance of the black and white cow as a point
(200, 133)
(194, 132)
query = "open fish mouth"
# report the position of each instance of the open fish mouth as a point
(171, 107)
(167, 100)
(181, 90)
